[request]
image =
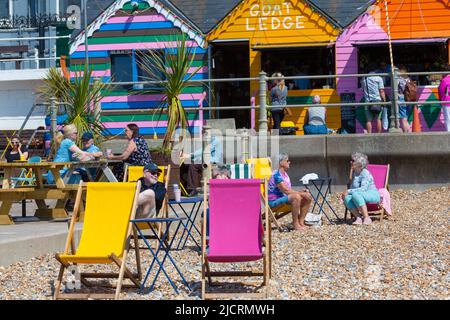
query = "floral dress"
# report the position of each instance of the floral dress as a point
(140, 157)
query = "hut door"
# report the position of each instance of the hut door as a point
(231, 60)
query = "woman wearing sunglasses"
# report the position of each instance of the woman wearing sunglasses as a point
(17, 152)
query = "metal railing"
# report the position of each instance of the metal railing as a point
(263, 107)
(34, 58)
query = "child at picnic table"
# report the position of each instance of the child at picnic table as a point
(89, 146)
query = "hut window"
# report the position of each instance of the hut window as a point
(416, 57)
(121, 69)
(301, 62)
(148, 73)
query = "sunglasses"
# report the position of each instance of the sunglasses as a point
(154, 173)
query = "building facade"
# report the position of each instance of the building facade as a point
(419, 33)
(31, 40)
(116, 39)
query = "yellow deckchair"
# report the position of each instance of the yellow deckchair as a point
(134, 173)
(105, 236)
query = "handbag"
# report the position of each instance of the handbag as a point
(312, 219)
(375, 109)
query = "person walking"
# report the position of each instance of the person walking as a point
(373, 87)
(278, 100)
(444, 95)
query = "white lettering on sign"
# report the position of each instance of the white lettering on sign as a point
(273, 17)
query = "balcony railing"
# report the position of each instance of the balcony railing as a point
(36, 21)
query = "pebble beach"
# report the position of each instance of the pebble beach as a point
(404, 257)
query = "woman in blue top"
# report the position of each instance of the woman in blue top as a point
(68, 150)
(362, 190)
(136, 153)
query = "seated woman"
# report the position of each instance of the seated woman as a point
(152, 192)
(68, 151)
(221, 172)
(362, 190)
(316, 119)
(280, 192)
(17, 152)
(135, 154)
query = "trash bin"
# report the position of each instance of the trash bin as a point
(288, 128)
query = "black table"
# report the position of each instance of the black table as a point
(323, 188)
(191, 216)
(163, 246)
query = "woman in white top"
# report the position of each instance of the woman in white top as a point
(316, 119)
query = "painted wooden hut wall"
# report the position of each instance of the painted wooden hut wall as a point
(143, 30)
(290, 23)
(410, 19)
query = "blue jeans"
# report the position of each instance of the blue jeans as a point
(359, 199)
(315, 129)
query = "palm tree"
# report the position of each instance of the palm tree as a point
(172, 71)
(80, 97)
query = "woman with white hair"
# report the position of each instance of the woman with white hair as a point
(316, 119)
(280, 192)
(362, 190)
(68, 150)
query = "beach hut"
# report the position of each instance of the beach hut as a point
(115, 38)
(419, 31)
(294, 37)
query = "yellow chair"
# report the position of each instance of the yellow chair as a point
(134, 173)
(263, 170)
(105, 237)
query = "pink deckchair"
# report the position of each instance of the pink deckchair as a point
(380, 173)
(235, 233)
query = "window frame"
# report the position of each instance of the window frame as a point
(129, 54)
(137, 70)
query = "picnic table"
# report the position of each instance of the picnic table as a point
(101, 166)
(40, 192)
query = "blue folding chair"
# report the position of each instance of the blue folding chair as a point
(26, 176)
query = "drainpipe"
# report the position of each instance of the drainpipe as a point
(209, 77)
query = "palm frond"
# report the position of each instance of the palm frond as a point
(80, 95)
(172, 71)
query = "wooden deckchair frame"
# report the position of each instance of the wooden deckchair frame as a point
(121, 263)
(267, 252)
(164, 212)
(381, 210)
(274, 213)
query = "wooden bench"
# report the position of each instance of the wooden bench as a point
(9, 196)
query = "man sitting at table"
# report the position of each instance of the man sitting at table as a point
(152, 192)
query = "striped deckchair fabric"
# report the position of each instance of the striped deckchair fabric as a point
(240, 171)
